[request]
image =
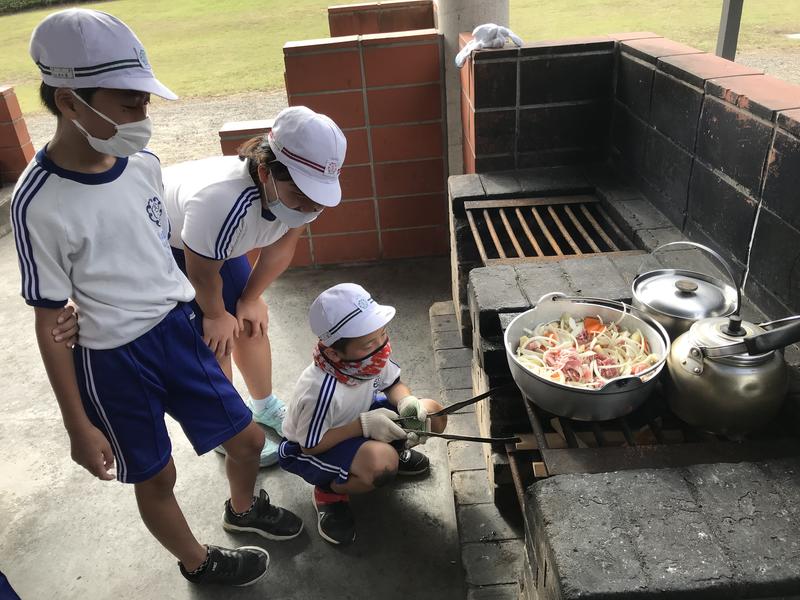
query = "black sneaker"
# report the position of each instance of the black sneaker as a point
(335, 521)
(240, 567)
(412, 463)
(271, 522)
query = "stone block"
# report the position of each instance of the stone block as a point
(650, 239)
(471, 487)
(505, 320)
(453, 396)
(695, 69)
(441, 308)
(537, 279)
(501, 162)
(630, 266)
(491, 355)
(667, 168)
(781, 185)
(633, 215)
(563, 126)
(596, 276)
(501, 184)
(767, 301)
(462, 424)
(495, 83)
(628, 136)
(710, 197)
(443, 340)
(565, 78)
(494, 592)
(492, 564)
(762, 95)
(610, 185)
(484, 523)
(734, 142)
(775, 258)
(597, 43)
(495, 133)
(635, 85)
(650, 50)
(462, 188)
(444, 323)
(558, 157)
(790, 121)
(453, 357)
(465, 456)
(493, 290)
(457, 378)
(675, 109)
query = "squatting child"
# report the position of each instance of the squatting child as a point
(340, 431)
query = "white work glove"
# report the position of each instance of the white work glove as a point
(410, 406)
(379, 425)
(487, 35)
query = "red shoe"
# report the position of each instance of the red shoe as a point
(335, 521)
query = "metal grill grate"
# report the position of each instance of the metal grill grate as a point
(526, 229)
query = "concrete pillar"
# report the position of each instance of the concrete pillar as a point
(454, 17)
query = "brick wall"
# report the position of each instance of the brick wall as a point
(381, 17)
(386, 93)
(16, 149)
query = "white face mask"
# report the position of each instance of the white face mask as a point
(289, 216)
(129, 138)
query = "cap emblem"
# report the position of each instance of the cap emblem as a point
(142, 55)
(332, 168)
(62, 72)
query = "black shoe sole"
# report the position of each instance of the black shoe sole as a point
(319, 526)
(266, 568)
(270, 536)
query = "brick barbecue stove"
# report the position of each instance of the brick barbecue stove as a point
(584, 156)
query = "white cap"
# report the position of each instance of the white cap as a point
(80, 48)
(346, 310)
(312, 147)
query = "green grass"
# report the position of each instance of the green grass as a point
(211, 48)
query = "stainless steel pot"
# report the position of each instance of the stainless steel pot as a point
(676, 298)
(727, 375)
(619, 396)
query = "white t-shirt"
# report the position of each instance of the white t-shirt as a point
(215, 208)
(320, 402)
(102, 240)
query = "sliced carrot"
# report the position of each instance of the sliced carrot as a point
(592, 325)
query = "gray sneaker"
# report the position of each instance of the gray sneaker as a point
(240, 567)
(273, 414)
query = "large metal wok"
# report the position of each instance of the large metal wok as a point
(619, 396)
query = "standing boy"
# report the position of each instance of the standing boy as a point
(340, 430)
(89, 225)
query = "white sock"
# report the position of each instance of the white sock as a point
(261, 404)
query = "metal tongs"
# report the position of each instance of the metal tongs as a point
(453, 408)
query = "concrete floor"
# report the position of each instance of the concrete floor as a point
(65, 535)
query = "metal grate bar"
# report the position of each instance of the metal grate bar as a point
(581, 229)
(564, 231)
(527, 230)
(511, 234)
(546, 232)
(600, 231)
(475, 234)
(498, 246)
(614, 226)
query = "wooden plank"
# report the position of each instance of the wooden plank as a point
(477, 236)
(493, 233)
(523, 202)
(546, 232)
(513, 261)
(600, 231)
(510, 233)
(537, 248)
(581, 229)
(614, 226)
(564, 231)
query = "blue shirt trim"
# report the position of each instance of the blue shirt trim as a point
(85, 178)
(47, 303)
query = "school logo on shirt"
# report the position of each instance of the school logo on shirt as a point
(155, 210)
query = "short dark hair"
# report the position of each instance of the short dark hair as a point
(258, 151)
(47, 94)
(340, 345)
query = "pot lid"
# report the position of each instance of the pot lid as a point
(711, 333)
(684, 294)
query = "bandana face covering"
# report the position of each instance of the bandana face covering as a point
(353, 372)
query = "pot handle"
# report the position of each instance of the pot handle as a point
(761, 343)
(708, 250)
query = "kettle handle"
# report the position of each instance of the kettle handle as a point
(708, 250)
(761, 343)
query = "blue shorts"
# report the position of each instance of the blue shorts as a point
(127, 390)
(6, 591)
(234, 272)
(331, 466)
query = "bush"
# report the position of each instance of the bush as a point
(12, 6)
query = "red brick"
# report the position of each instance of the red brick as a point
(790, 121)
(345, 108)
(402, 64)
(357, 147)
(347, 248)
(246, 128)
(469, 159)
(230, 147)
(14, 134)
(14, 160)
(411, 16)
(654, 48)
(633, 35)
(356, 182)
(697, 68)
(302, 254)
(405, 104)
(401, 179)
(407, 243)
(412, 211)
(401, 37)
(357, 215)
(467, 121)
(341, 23)
(9, 106)
(760, 94)
(406, 142)
(323, 72)
(320, 45)
(464, 39)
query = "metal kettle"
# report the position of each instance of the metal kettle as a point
(728, 376)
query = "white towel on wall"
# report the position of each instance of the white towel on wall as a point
(487, 35)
